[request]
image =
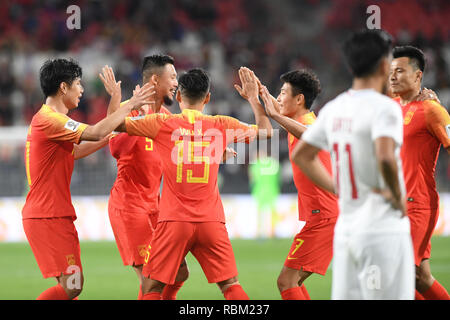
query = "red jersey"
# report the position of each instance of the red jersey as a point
(191, 146)
(49, 164)
(314, 203)
(426, 125)
(139, 172)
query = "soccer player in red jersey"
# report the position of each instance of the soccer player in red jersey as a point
(191, 217)
(134, 200)
(426, 126)
(51, 147)
(312, 248)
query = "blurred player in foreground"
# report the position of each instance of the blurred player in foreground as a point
(373, 254)
(426, 126)
(133, 205)
(51, 147)
(312, 248)
(191, 218)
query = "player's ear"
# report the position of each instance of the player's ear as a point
(300, 99)
(154, 79)
(178, 96)
(207, 98)
(419, 75)
(63, 87)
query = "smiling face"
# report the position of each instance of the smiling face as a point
(289, 104)
(72, 94)
(166, 84)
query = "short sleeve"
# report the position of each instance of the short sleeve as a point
(388, 121)
(237, 131)
(59, 127)
(316, 134)
(438, 122)
(145, 126)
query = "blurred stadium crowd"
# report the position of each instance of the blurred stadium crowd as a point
(270, 37)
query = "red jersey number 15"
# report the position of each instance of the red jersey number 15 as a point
(191, 158)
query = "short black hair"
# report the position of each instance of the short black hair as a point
(152, 64)
(305, 82)
(415, 55)
(194, 84)
(54, 72)
(364, 50)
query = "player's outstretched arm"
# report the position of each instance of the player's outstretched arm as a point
(115, 120)
(272, 109)
(387, 164)
(88, 147)
(306, 158)
(250, 92)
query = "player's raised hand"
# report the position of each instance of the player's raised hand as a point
(260, 85)
(249, 89)
(228, 153)
(109, 81)
(141, 110)
(270, 103)
(427, 94)
(143, 96)
(137, 88)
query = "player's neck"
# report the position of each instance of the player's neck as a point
(57, 104)
(299, 113)
(197, 107)
(157, 106)
(408, 97)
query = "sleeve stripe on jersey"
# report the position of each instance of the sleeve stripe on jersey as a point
(27, 162)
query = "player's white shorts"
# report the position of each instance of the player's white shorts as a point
(373, 267)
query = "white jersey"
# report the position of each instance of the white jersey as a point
(347, 127)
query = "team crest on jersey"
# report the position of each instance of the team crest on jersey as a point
(142, 249)
(70, 259)
(409, 115)
(72, 125)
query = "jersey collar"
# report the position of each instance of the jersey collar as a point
(307, 119)
(191, 114)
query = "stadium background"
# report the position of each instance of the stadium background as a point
(270, 37)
